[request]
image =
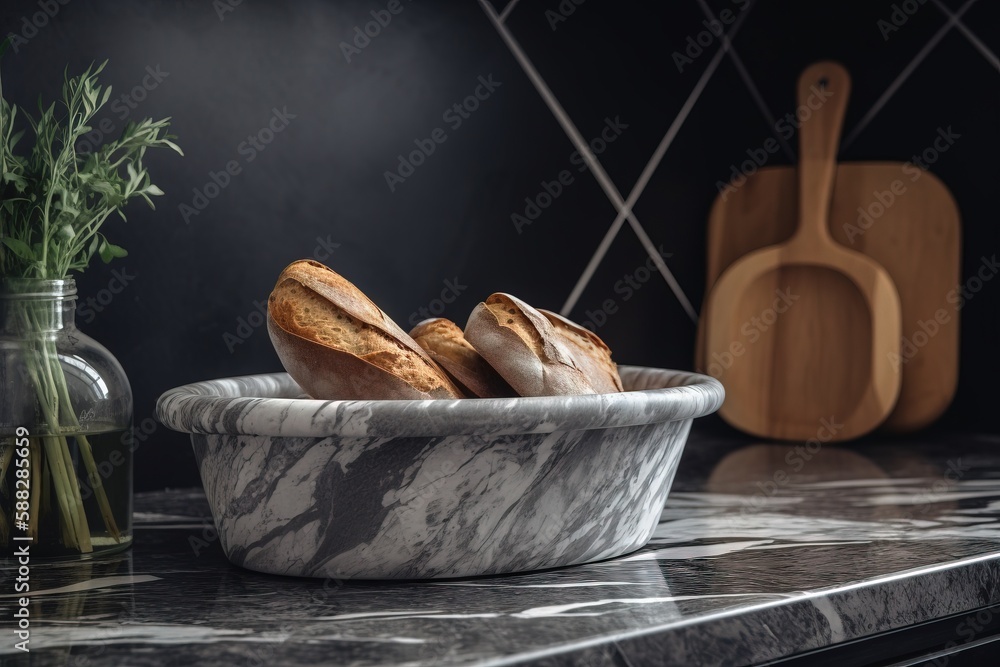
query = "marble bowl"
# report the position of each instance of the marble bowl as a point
(436, 488)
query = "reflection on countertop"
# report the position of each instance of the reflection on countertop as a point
(763, 551)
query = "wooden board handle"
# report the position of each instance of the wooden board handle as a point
(823, 91)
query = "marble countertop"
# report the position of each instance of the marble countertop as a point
(764, 551)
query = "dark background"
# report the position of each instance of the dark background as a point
(322, 177)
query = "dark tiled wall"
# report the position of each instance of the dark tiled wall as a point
(445, 232)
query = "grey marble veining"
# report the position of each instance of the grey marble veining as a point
(435, 489)
(860, 541)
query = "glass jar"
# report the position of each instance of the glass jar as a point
(65, 429)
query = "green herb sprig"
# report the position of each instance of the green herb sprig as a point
(54, 199)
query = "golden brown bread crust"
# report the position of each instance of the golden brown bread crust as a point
(445, 343)
(591, 352)
(540, 354)
(337, 344)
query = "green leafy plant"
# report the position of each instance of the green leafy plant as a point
(54, 201)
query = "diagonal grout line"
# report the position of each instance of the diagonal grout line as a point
(581, 145)
(507, 10)
(639, 187)
(647, 173)
(751, 86)
(969, 35)
(976, 42)
(903, 76)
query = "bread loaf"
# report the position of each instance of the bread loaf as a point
(589, 352)
(444, 341)
(539, 353)
(337, 344)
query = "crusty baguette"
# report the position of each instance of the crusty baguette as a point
(590, 353)
(444, 341)
(337, 344)
(540, 354)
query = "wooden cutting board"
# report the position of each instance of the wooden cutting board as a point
(802, 333)
(908, 223)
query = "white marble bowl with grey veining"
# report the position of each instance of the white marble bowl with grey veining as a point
(437, 488)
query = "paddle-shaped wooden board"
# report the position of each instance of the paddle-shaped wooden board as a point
(908, 222)
(802, 333)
